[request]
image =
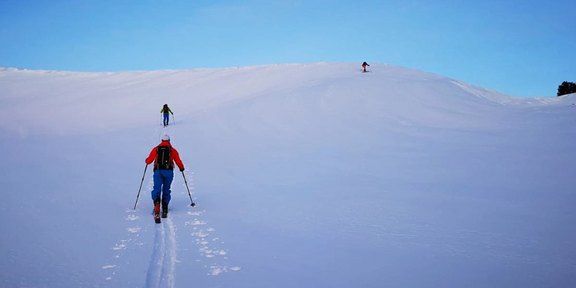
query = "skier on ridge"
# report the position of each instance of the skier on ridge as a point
(164, 156)
(166, 112)
(364, 65)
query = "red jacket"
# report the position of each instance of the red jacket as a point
(174, 155)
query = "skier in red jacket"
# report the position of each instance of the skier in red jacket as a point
(164, 156)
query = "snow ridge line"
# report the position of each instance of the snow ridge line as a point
(162, 265)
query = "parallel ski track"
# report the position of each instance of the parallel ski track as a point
(162, 265)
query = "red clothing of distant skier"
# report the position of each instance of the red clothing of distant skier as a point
(364, 66)
(175, 157)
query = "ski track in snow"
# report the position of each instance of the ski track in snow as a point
(162, 266)
(163, 262)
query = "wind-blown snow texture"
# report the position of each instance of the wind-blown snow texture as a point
(312, 175)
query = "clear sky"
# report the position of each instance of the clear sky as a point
(517, 47)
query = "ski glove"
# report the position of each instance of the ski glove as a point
(181, 169)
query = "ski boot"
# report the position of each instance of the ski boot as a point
(164, 209)
(157, 212)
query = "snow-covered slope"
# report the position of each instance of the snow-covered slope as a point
(308, 175)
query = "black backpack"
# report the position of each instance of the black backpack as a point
(163, 160)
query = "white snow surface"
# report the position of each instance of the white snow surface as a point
(304, 175)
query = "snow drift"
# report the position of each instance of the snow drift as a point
(309, 175)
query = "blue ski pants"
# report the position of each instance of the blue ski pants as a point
(162, 181)
(166, 118)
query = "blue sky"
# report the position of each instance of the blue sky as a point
(518, 47)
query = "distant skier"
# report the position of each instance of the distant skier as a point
(164, 156)
(364, 65)
(166, 112)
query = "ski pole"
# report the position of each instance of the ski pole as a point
(191, 201)
(138, 196)
(173, 121)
